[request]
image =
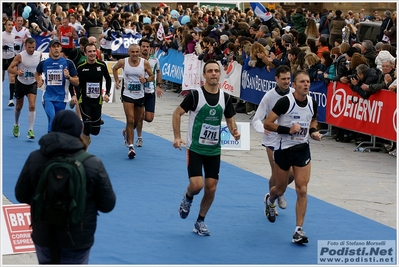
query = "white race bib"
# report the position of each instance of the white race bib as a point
(93, 90)
(209, 135)
(54, 77)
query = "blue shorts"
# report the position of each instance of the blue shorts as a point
(149, 102)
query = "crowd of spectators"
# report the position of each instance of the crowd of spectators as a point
(322, 42)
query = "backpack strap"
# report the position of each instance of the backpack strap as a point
(83, 156)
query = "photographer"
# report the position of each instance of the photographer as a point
(364, 75)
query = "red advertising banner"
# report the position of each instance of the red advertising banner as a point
(375, 116)
(18, 220)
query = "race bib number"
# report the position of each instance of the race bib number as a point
(10, 50)
(64, 40)
(134, 86)
(299, 136)
(209, 135)
(54, 77)
(28, 74)
(93, 90)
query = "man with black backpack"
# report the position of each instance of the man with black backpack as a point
(66, 187)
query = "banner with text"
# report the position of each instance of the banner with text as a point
(120, 45)
(16, 231)
(171, 65)
(318, 91)
(375, 116)
(255, 82)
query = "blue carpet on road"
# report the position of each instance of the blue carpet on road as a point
(145, 228)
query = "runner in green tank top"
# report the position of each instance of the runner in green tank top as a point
(206, 107)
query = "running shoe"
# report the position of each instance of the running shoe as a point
(125, 137)
(15, 131)
(201, 229)
(10, 103)
(299, 237)
(131, 154)
(281, 202)
(270, 209)
(139, 142)
(31, 134)
(184, 208)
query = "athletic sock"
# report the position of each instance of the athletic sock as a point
(16, 116)
(298, 228)
(269, 202)
(188, 197)
(31, 117)
(200, 218)
(12, 90)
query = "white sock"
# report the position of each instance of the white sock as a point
(269, 202)
(31, 116)
(298, 228)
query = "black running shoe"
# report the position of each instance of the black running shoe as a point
(131, 154)
(300, 237)
(270, 209)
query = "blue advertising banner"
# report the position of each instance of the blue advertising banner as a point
(120, 45)
(255, 82)
(318, 90)
(172, 68)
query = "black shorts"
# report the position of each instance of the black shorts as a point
(137, 102)
(149, 102)
(66, 51)
(7, 63)
(298, 155)
(106, 52)
(195, 162)
(22, 90)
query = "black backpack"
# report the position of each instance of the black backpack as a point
(60, 197)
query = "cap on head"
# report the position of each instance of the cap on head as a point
(66, 121)
(54, 41)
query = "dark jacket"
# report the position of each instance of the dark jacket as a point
(386, 24)
(299, 22)
(370, 77)
(340, 67)
(391, 33)
(380, 83)
(324, 27)
(100, 195)
(312, 70)
(370, 55)
(336, 26)
(44, 23)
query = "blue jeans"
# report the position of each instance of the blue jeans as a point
(67, 256)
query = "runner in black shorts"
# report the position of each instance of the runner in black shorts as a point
(23, 67)
(8, 54)
(296, 114)
(136, 72)
(206, 106)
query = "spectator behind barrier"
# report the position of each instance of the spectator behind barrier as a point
(364, 75)
(314, 65)
(368, 51)
(385, 78)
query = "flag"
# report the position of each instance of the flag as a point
(260, 11)
(160, 32)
